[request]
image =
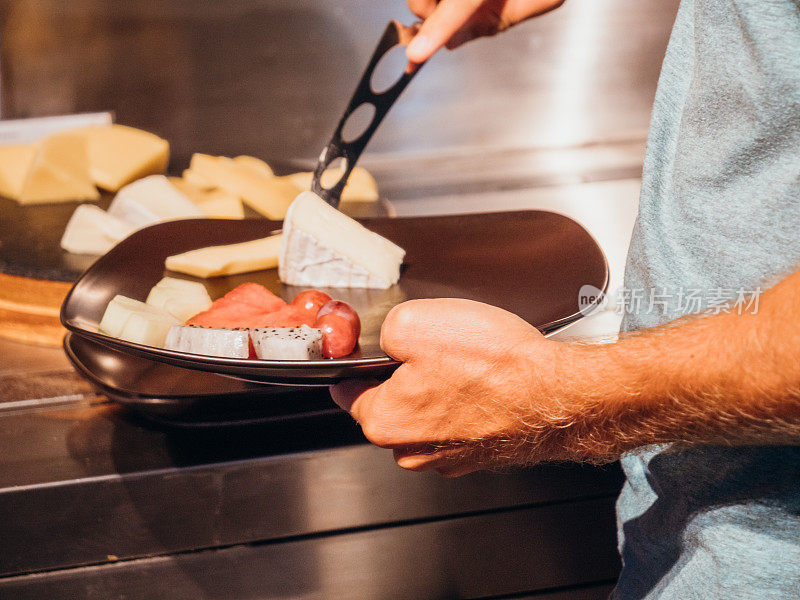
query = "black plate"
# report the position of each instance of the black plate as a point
(532, 263)
(188, 397)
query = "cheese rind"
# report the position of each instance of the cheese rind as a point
(323, 247)
(151, 200)
(119, 155)
(91, 230)
(228, 260)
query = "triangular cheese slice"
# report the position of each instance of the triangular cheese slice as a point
(91, 230)
(15, 162)
(119, 154)
(323, 247)
(264, 193)
(59, 172)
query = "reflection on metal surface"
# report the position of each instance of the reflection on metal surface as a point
(577, 73)
(269, 77)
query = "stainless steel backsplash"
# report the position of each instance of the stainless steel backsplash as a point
(271, 77)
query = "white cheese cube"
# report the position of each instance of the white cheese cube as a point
(180, 298)
(135, 321)
(91, 230)
(152, 200)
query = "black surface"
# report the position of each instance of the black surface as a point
(532, 263)
(184, 396)
(85, 483)
(496, 553)
(30, 235)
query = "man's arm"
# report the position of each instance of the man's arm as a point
(480, 388)
(453, 22)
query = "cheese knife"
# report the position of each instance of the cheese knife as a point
(350, 150)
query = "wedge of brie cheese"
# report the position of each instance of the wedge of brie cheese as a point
(323, 247)
(152, 200)
(91, 230)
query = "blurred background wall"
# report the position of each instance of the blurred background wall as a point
(271, 77)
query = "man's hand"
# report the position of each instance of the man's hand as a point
(480, 388)
(452, 22)
(468, 394)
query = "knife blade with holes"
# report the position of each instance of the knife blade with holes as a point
(350, 150)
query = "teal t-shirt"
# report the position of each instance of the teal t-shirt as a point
(719, 216)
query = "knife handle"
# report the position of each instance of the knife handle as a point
(395, 34)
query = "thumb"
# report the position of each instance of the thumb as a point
(347, 391)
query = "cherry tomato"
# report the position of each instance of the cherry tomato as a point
(343, 309)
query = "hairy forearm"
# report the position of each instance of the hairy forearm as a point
(724, 379)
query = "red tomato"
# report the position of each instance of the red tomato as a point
(343, 309)
(310, 301)
(339, 337)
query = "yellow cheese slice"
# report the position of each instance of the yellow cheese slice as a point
(228, 260)
(215, 203)
(15, 162)
(220, 205)
(197, 180)
(59, 172)
(361, 186)
(120, 154)
(254, 163)
(270, 196)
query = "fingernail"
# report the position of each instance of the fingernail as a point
(419, 49)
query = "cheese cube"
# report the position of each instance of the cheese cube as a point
(180, 298)
(91, 230)
(152, 200)
(135, 321)
(120, 154)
